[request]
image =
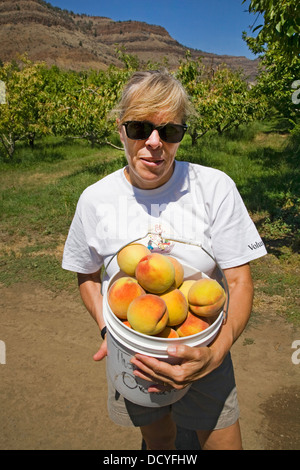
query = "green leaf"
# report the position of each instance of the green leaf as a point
(291, 31)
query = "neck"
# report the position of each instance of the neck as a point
(142, 183)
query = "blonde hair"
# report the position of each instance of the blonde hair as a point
(150, 92)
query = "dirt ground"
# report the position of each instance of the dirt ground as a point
(53, 395)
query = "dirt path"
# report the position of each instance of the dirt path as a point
(53, 395)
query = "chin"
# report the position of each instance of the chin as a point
(146, 181)
(147, 177)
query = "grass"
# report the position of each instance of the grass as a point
(40, 189)
(38, 197)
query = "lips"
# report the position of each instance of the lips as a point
(152, 162)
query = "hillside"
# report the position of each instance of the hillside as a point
(80, 42)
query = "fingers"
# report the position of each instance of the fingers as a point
(192, 364)
(183, 352)
(102, 352)
(147, 373)
(163, 374)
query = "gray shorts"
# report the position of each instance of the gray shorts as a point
(210, 403)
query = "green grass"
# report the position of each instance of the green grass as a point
(38, 196)
(40, 189)
(41, 197)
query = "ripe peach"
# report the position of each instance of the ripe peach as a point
(177, 306)
(206, 297)
(185, 287)
(168, 332)
(129, 257)
(148, 314)
(121, 293)
(192, 325)
(126, 322)
(179, 271)
(155, 273)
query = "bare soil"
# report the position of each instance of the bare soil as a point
(53, 395)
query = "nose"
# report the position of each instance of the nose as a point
(154, 139)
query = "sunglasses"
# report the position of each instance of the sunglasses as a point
(141, 130)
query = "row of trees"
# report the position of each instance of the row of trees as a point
(48, 101)
(43, 101)
(221, 98)
(39, 100)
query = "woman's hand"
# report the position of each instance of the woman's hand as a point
(102, 352)
(194, 363)
(197, 362)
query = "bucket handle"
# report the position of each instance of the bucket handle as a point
(186, 242)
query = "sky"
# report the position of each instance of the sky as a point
(209, 25)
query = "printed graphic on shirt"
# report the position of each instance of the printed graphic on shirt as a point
(157, 243)
(256, 245)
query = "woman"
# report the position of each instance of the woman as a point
(156, 193)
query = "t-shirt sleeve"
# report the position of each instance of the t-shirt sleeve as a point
(234, 237)
(80, 253)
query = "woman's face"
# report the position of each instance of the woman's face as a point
(150, 161)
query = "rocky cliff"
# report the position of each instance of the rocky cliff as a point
(80, 42)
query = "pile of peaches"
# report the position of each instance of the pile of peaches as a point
(153, 298)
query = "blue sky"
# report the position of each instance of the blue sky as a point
(209, 25)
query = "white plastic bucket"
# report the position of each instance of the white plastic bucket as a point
(124, 342)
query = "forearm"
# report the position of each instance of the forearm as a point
(90, 292)
(239, 311)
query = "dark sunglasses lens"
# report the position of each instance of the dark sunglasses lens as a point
(139, 130)
(172, 133)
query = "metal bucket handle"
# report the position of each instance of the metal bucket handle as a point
(186, 242)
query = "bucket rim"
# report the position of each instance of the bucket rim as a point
(156, 346)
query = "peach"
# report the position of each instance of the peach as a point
(185, 287)
(129, 257)
(168, 332)
(126, 322)
(192, 325)
(155, 273)
(179, 271)
(206, 297)
(148, 314)
(176, 304)
(121, 293)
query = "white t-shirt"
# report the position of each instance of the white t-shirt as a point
(198, 205)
